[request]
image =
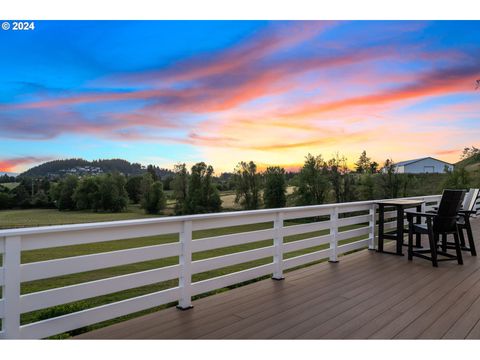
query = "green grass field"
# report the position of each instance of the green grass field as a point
(22, 218)
(11, 185)
(45, 217)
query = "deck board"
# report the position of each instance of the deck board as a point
(365, 295)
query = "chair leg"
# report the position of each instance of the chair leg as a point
(444, 242)
(410, 244)
(433, 248)
(471, 241)
(462, 237)
(458, 249)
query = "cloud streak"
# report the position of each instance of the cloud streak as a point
(435, 83)
(10, 164)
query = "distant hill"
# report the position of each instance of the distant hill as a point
(470, 164)
(7, 173)
(59, 168)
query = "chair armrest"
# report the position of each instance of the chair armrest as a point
(467, 212)
(415, 213)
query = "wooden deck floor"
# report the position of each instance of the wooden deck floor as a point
(366, 295)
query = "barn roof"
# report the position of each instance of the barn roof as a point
(408, 162)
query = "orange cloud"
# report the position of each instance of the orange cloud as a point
(438, 82)
(9, 165)
(448, 152)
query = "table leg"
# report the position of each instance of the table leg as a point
(381, 210)
(400, 225)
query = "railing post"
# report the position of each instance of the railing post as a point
(334, 233)
(278, 245)
(11, 288)
(371, 223)
(185, 278)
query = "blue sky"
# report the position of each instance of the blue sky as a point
(164, 92)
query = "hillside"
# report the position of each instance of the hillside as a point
(59, 168)
(470, 164)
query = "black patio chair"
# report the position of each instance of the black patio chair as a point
(443, 222)
(463, 224)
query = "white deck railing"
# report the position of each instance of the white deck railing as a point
(360, 217)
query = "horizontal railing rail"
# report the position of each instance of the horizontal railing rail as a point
(285, 238)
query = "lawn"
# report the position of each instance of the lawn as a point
(228, 198)
(19, 218)
(44, 217)
(11, 185)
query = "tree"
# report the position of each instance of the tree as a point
(54, 193)
(6, 179)
(313, 182)
(40, 200)
(113, 196)
(203, 196)
(63, 193)
(366, 188)
(274, 194)
(87, 194)
(153, 199)
(167, 182)
(373, 167)
(134, 188)
(5, 201)
(151, 170)
(211, 196)
(349, 187)
(342, 181)
(469, 152)
(337, 170)
(180, 188)
(21, 197)
(247, 185)
(146, 183)
(392, 181)
(363, 164)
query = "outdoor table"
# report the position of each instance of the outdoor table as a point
(399, 232)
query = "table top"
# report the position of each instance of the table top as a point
(401, 202)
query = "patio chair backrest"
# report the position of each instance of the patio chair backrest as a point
(470, 200)
(446, 218)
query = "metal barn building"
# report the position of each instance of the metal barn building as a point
(422, 166)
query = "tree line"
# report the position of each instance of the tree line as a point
(196, 190)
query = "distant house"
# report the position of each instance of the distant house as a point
(423, 166)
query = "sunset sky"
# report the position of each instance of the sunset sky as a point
(164, 92)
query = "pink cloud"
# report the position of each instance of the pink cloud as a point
(434, 83)
(10, 164)
(274, 39)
